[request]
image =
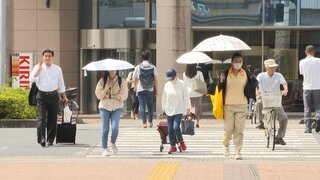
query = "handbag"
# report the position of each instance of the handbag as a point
(67, 113)
(217, 104)
(199, 86)
(32, 98)
(187, 126)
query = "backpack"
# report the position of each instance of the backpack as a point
(32, 95)
(146, 76)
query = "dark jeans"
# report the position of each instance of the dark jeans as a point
(48, 105)
(135, 101)
(311, 98)
(174, 130)
(146, 99)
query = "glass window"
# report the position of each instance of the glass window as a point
(226, 12)
(280, 12)
(310, 12)
(121, 14)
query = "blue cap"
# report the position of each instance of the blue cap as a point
(171, 74)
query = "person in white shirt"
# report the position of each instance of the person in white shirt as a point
(309, 69)
(271, 81)
(49, 80)
(133, 96)
(146, 86)
(175, 103)
(189, 77)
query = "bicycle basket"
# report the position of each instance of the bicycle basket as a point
(271, 99)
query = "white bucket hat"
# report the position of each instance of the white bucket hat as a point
(270, 63)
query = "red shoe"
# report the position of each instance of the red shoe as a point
(183, 146)
(172, 150)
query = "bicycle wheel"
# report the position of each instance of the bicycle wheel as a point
(273, 129)
(266, 120)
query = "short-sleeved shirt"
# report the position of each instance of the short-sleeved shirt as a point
(309, 68)
(270, 83)
(136, 75)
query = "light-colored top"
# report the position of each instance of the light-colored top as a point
(118, 94)
(136, 75)
(270, 83)
(130, 78)
(235, 88)
(189, 82)
(309, 68)
(175, 98)
(49, 79)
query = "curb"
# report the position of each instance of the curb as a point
(18, 123)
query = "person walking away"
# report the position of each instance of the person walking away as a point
(175, 103)
(112, 91)
(133, 96)
(271, 81)
(237, 87)
(189, 77)
(49, 80)
(309, 69)
(146, 86)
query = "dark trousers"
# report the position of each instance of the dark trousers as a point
(48, 105)
(135, 101)
(146, 99)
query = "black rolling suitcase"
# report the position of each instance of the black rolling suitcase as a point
(66, 132)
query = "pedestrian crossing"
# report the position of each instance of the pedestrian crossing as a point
(134, 142)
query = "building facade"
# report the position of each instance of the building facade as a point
(81, 31)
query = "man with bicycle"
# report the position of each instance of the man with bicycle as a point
(271, 81)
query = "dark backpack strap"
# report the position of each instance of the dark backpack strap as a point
(119, 80)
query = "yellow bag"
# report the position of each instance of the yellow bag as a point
(217, 104)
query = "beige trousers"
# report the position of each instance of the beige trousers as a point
(234, 121)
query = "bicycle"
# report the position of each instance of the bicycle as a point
(270, 101)
(251, 111)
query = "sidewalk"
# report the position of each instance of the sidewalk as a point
(156, 169)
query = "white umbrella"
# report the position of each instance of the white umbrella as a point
(214, 61)
(222, 43)
(107, 65)
(193, 58)
(227, 61)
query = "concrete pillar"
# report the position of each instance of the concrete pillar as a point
(173, 38)
(3, 59)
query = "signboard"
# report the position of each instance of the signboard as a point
(22, 64)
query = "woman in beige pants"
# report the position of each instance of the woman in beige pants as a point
(237, 87)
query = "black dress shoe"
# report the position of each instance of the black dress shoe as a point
(280, 141)
(43, 143)
(50, 144)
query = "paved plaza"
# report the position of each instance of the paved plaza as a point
(139, 154)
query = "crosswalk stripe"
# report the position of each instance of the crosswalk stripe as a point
(207, 143)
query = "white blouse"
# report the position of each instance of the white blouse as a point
(175, 98)
(189, 83)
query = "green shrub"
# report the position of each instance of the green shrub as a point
(14, 104)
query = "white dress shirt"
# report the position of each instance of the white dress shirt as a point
(49, 79)
(309, 68)
(175, 98)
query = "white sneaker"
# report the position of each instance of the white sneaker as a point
(238, 156)
(226, 150)
(106, 152)
(114, 149)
